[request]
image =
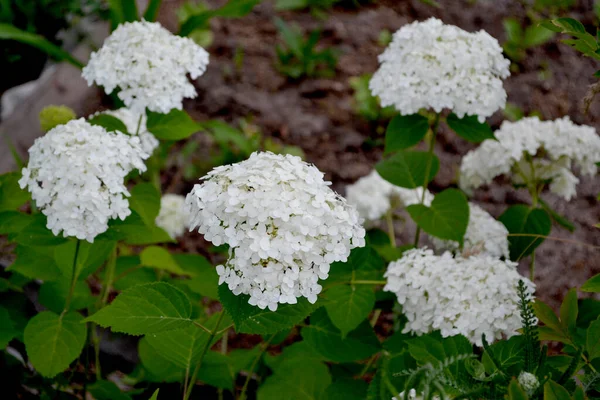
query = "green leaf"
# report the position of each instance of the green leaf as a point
(536, 35)
(10, 32)
(36, 234)
(122, 11)
(158, 368)
(251, 319)
(11, 195)
(347, 389)
(554, 391)
(150, 15)
(405, 131)
(507, 356)
(547, 316)
(556, 217)
(564, 25)
(233, 9)
(145, 200)
(327, 340)
(53, 342)
(107, 390)
(447, 218)
(522, 220)
(592, 285)
(134, 231)
(143, 309)
(36, 263)
(155, 395)
(592, 345)
(364, 263)
(569, 311)
(130, 273)
(515, 392)
(159, 258)
(7, 328)
(408, 168)
(230, 138)
(217, 370)
(469, 128)
(205, 280)
(53, 295)
(513, 29)
(347, 306)
(110, 123)
(175, 125)
(89, 257)
(12, 222)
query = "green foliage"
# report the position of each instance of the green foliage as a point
(469, 128)
(52, 116)
(175, 125)
(592, 285)
(446, 218)
(529, 227)
(109, 122)
(408, 169)
(300, 57)
(11, 195)
(405, 131)
(365, 104)
(8, 331)
(583, 42)
(530, 329)
(518, 40)
(232, 9)
(107, 390)
(348, 305)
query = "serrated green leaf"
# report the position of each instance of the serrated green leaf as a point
(592, 285)
(175, 125)
(159, 258)
(522, 220)
(89, 257)
(145, 309)
(145, 201)
(469, 128)
(110, 123)
(569, 311)
(408, 168)
(251, 319)
(159, 368)
(53, 342)
(564, 25)
(554, 391)
(405, 131)
(327, 340)
(107, 390)
(7, 328)
(592, 345)
(11, 195)
(349, 305)
(446, 218)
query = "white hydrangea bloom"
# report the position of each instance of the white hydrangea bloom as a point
(149, 65)
(131, 120)
(435, 66)
(529, 382)
(484, 235)
(373, 196)
(472, 296)
(172, 217)
(283, 223)
(412, 395)
(76, 176)
(554, 147)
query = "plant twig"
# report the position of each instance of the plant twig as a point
(264, 346)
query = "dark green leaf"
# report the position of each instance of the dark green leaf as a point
(405, 131)
(53, 295)
(11, 195)
(593, 340)
(533, 224)
(217, 371)
(36, 263)
(175, 125)
(134, 231)
(364, 263)
(349, 305)
(408, 168)
(347, 389)
(107, 390)
(13, 221)
(145, 200)
(469, 128)
(205, 280)
(447, 218)
(553, 391)
(569, 311)
(159, 368)
(8, 331)
(564, 25)
(109, 122)
(152, 10)
(36, 234)
(515, 392)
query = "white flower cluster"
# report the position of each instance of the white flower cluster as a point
(529, 382)
(435, 66)
(149, 65)
(485, 235)
(283, 223)
(75, 175)
(472, 296)
(172, 217)
(131, 120)
(553, 147)
(373, 196)
(412, 395)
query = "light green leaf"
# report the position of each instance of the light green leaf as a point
(10, 32)
(144, 309)
(145, 201)
(469, 128)
(547, 316)
(53, 342)
(7, 328)
(408, 168)
(405, 131)
(159, 258)
(175, 125)
(11, 195)
(515, 392)
(513, 30)
(251, 319)
(233, 9)
(592, 285)
(110, 123)
(569, 311)
(155, 395)
(521, 220)
(159, 368)
(327, 340)
(554, 391)
(447, 218)
(536, 35)
(349, 305)
(593, 340)
(107, 390)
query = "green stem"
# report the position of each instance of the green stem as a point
(389, 217)
(265, 346)
(96, 342)
(73, 278)
(188, 391)
(434, 129)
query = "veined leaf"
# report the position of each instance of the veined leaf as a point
(408, 168)
(522, 220)
(405, 131)
(349, 305)
(470, 129)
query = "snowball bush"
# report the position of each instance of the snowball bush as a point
(468, 296)
(149, 65)
(76, 177)
(435, 66)
(534, 151)
(283, 223)
(172, 217)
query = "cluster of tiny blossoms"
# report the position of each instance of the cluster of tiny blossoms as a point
(76, 173)
(535, 151)
(172, 217)
(484, 235)
(435, 66)
(472, 296)
(283, 223)
(135, 124)
(149, 65)
(373, 196)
